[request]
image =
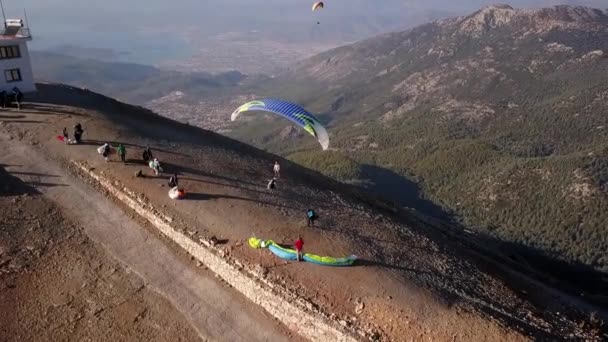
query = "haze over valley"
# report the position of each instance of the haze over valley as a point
(246, 35)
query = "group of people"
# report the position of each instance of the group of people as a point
(15, 96)
(311, 215)
(78, 132)
(153, 162)
(105, 150)
(272, 183)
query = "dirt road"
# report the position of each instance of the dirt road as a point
(214, 310)
(56, 284)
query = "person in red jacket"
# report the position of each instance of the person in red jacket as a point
(299, 244)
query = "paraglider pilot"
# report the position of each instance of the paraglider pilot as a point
(311, 216)
(122, 152)
(271, 184)
(66, 137)
(147, 154)
(78, 131)
(299, 244)
(173, 182)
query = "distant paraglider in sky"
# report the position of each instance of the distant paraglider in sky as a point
(293, 112)
(317, 5)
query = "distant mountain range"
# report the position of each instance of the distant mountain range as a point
(134, 83)
(498, 116)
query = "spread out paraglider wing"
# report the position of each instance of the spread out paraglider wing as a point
(291, 111)
(317, 5)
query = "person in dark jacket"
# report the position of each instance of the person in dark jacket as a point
(78, 131)
(3, 99)
(106, 152)
(173, 181)
(66, 137)
(147, 154)
(311, 216)
(272, 184)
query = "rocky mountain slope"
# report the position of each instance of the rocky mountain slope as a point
(499, 116)
(415, 278)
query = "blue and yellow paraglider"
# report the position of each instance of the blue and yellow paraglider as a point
(290, 111)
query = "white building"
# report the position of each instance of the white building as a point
(15, 64)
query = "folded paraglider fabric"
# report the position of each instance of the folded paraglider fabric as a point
(176, 193)
(291, 254)
(101, 148)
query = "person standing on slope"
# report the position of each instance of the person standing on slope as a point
(122, 152)
(3, 99)
(271, 184)
(173, 182)
(155, 165)
(311, 216)
(299, 245)
(277, 169)
(147, 155)
(105, 151)
(78, 131)
(17, 97)
(66, 137)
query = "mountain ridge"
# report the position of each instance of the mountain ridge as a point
(497, 115)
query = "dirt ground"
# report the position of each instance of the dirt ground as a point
(56, 285)
(75, 244)
(412, 283)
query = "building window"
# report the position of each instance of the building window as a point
(12, 75)
(7, 52)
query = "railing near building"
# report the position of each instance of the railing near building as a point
(24, 32)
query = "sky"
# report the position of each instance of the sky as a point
(150, 31)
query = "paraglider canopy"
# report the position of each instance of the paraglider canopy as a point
(290, 111)
(317, 5)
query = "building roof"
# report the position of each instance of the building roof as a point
(22, 33)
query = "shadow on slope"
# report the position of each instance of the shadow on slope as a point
(13, 186)
(401, 190)
(577, 279)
